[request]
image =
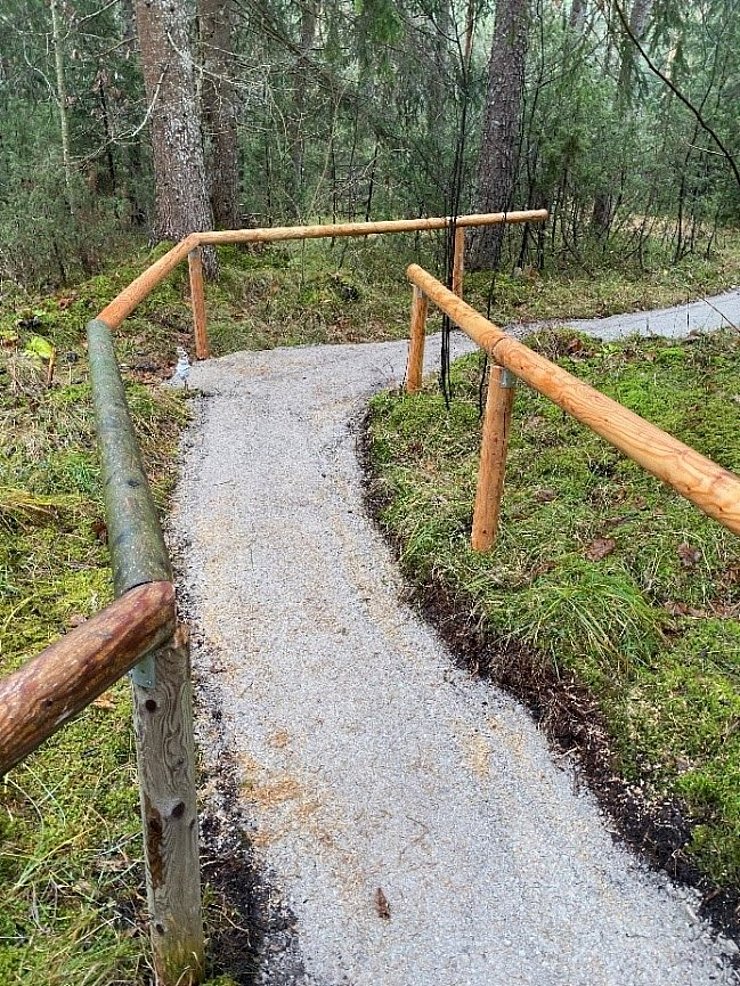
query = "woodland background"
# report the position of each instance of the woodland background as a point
(147, 119)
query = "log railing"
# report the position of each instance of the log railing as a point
(192, 246)
(713, 489)
(138, 632)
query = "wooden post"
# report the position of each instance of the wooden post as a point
(419, 305)
(197, 299)
(164, 742)
(458, 261)
(494, 443)
(163, 714)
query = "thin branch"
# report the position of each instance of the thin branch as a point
(128, 136)
(678, 94)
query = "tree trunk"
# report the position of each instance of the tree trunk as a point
(641, 10)
(499, 148)
(61, 94)
(127, 21)
(604, 203)
(577, 17)
(220, 110)
(181, 196)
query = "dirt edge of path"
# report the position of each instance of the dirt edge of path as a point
(567, 713)
(243, 915)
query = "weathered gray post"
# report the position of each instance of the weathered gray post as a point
(163, 718)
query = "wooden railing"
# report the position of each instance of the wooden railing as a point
(139, 630)
(713, 489)
(192, 247)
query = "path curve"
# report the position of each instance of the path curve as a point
(719, 312)
(409, 820)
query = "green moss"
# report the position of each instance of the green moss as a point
(70, 854)
(651, 627)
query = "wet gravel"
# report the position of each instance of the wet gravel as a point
(409, 818)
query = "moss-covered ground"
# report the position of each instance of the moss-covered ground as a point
(599, 570)
(71, 910)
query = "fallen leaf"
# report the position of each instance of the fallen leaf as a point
(726, 611)
(689, 556)
(542, 569)
(683, 609)
(382, 906)
(600, 548)
(676, 609)
(105, 702)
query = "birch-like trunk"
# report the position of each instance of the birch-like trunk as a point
(61, 94)
(301, 81)
(499, 148)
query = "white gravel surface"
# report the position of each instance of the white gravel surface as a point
(718, 312)
(366, 759)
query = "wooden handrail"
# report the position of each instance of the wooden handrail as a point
(273, 234)
(137, 548)
(710, 487)
(52, 688)
(124, 303)
(162, 693)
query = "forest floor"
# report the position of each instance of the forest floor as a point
(70, 862)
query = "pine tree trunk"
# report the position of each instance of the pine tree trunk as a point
(220, 109)
(127, 21)
(498, 155)
(577, 16)
(641, 10)
(181, 196)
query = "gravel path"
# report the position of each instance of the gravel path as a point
(408, 819)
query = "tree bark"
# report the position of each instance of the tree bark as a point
(181, 196)
(577, 17)
(127, 21)
(499, 147)
(220, 109)
(639, 15)
(61, 97)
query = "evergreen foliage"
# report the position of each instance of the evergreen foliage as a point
(348, 111)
